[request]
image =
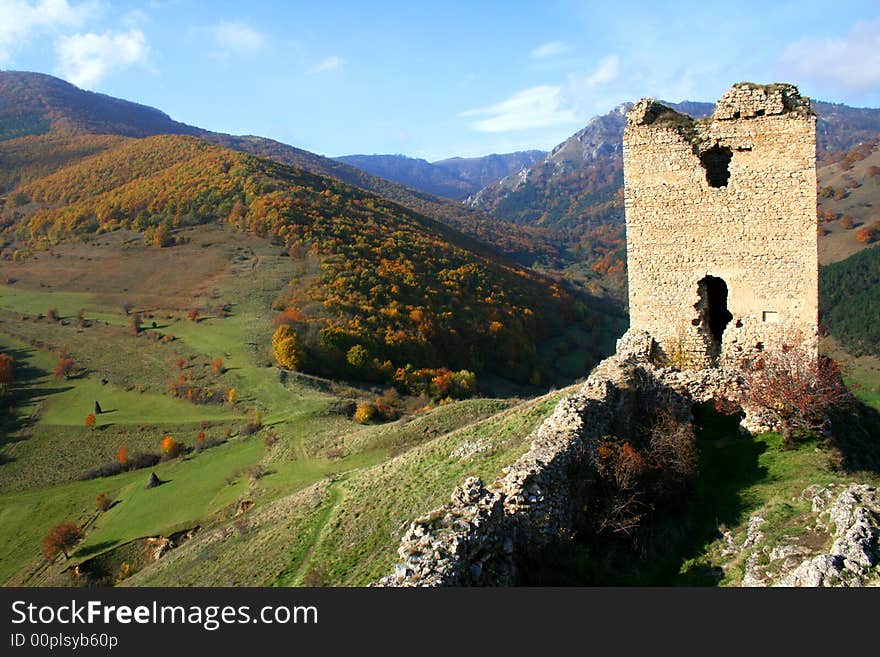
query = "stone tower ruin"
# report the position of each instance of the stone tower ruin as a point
(721, 224)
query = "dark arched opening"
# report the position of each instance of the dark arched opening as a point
(716, 162)
(714, 315)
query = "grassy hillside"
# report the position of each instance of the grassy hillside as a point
(271, 505)
(377, 275)
(849, 194)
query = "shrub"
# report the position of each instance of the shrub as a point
(206, 443)
(122, 455)
(90, 420)
(640, 475)
(869, 234)
(254, 422)
(134, 461)
(194, 393)
(217, 366)
(125, 571)
(794, 388)
(257, 472)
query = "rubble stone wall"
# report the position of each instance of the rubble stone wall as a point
(478, 538)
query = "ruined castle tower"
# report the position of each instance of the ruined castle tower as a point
(721, 225)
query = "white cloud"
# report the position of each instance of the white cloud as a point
(327, 64)
(20, 19)
(84, 59)
(851, 62)
(606, 71)
(535, 107)
(237, 37)
(550, 49)
(546, 105)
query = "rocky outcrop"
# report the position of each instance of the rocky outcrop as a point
(847, 520)
(483, 532)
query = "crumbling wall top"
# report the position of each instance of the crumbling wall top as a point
(743, 100)
(649, 111)
(746, 100)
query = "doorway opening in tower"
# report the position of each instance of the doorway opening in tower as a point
(714, 315)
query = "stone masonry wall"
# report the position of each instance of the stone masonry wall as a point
(756, 231)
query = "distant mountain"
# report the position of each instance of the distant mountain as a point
(35, 104)
(455, 178)
(482, 171)
(577, 184)
(412, 172)
(841, 127)
(577, 190)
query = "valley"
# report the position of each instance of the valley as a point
(306, 446)
(332, 353)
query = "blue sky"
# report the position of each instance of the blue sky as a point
(436, 79)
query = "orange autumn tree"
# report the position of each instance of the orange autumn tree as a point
(65, 368)
(91, 421)
(122, 454)
(171, 448)
(869, 234)
(61, 538)
(103, 502)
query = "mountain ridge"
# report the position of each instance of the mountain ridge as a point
(35, 103)
(455, 178)
(525, 198)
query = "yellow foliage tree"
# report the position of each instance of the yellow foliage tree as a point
(287, 348)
